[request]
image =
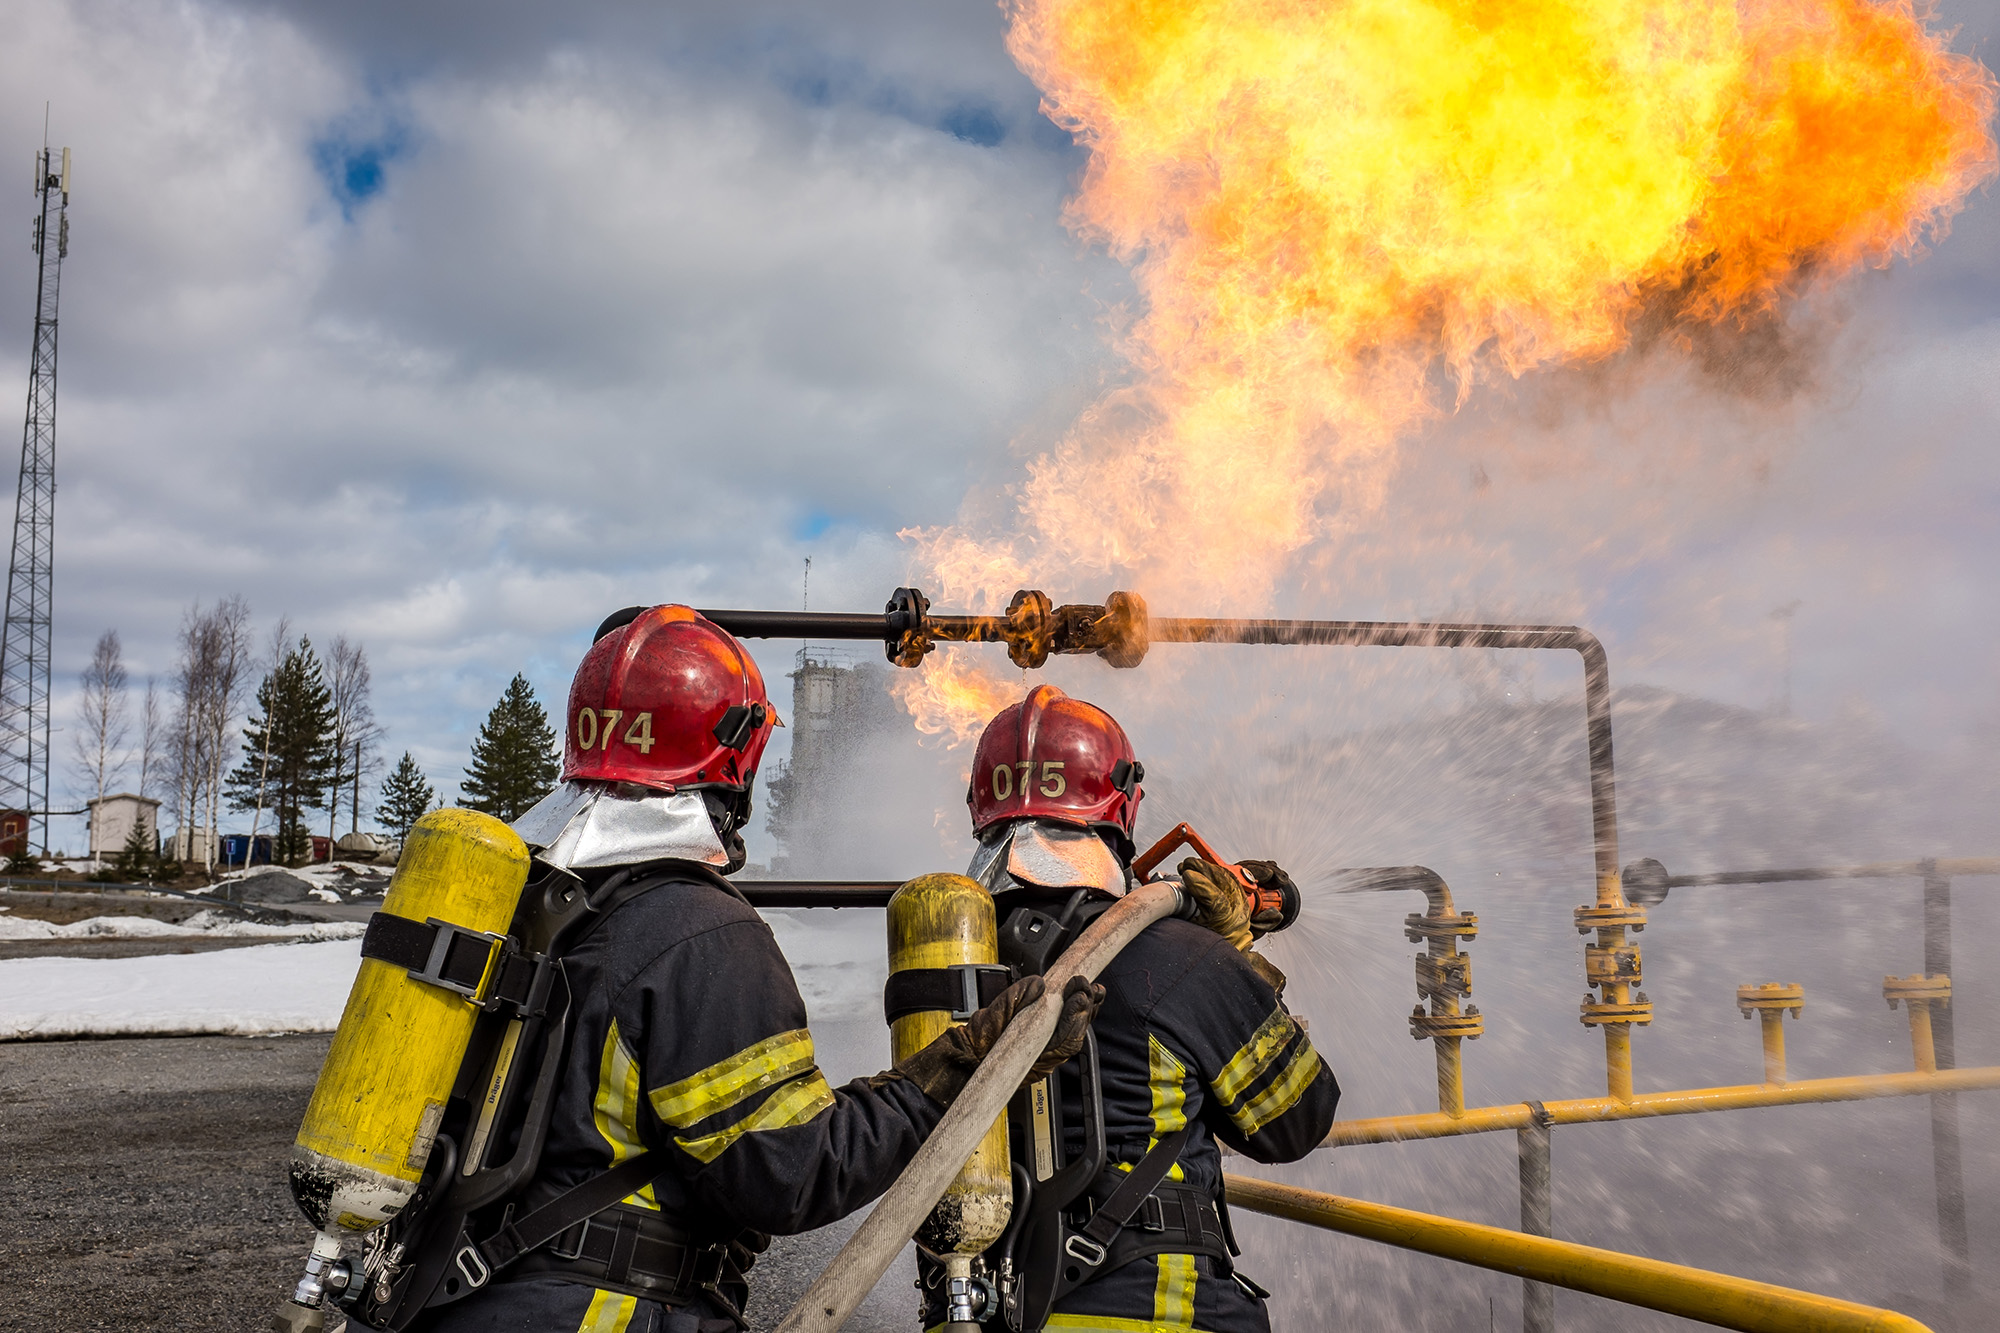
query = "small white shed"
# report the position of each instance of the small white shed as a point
(112, 819)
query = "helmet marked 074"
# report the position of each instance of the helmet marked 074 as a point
(1054, 757)
(668, 700)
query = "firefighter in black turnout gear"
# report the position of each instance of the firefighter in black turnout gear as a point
(1193, 1045)
(687, 1036)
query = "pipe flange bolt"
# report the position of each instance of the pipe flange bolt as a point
(1469, 1025)
(1607, 918)
(1783, 997)
(1603, 1013)
(1917, 989)
(1418, 927)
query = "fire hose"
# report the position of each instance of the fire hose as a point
(836, 1293)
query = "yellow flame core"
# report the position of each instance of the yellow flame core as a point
(1342, 216)
(952, 695)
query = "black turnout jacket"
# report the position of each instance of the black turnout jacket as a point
(689, 1039)
(1190, 1035)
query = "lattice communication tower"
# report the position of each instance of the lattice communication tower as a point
(24, 641)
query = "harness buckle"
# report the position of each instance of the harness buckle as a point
(556, 1250)
(968, 975)
(1152, 1215)
(1084, 1250)
(473, 1267)
(432, 971)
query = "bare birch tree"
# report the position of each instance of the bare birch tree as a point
(354, 729)
(99, 742)
(153, 740)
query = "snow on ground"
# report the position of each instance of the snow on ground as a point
(254, 991)
(205, 924)
(838, 958)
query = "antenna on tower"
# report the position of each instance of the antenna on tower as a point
(24, 639)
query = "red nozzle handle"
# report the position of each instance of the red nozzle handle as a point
(1183, 835)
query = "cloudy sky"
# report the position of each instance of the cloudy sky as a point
(451, 328)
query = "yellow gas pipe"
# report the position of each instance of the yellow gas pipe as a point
(1918, 993)
(1692, 1293)
(1595, 1110)
(1444, 976)
(1771, 1002)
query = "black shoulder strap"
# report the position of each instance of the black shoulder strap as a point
(1112, 1215)
(564, 1211)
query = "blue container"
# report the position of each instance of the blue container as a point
(234, 845)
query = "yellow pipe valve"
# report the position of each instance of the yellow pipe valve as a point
(1627, 916)
(1611, 966)
(1469, 1025)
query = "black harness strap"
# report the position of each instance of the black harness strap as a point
(1110, 1217)
(960, 990)
(564, 1211)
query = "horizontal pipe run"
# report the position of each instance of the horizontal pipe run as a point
(1692, 1293)
(817, 892)
(1594, 1110)
(1973, 865)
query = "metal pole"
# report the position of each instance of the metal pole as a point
(1947, 1167)
(1538, 1299)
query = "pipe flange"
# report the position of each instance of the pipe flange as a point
(1418, 927)
(1595, 1013)
(1608, 918)
(1030, 630)
(906, 619)
(1469, 1025)
(1125, 631)
(1917, 989)
(1781, 997)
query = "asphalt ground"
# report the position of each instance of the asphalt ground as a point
(145, 1188)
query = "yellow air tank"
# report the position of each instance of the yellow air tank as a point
(374, 1113)
(938, 921)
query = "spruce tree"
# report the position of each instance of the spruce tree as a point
(514, 760)
(406, 797)
(287, 752)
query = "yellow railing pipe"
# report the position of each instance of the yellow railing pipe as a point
(1593, 1110)
(1692, 1293)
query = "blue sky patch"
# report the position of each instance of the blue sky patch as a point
(355, 168)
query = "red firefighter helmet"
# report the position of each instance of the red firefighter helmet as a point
(1054, 757)
(668, 700)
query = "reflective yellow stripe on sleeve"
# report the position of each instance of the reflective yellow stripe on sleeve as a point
(1167, 1077)
(728, 1082)
(788, 1106)
(616, 1109)
(1283, 1094)
(1264, 1046)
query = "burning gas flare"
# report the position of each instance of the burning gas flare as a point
(952, 695)
(1343, 217)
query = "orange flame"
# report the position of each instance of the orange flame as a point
(1344, 215)
(952, 694)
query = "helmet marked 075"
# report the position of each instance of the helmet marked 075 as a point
(1054, 757)
(668, 700)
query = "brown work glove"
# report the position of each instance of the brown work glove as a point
(1224, 909)
(943, 1068)
(1219, 901)
(1265, 874)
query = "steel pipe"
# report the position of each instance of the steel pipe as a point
(1692, 1293)
(1594, 1110)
